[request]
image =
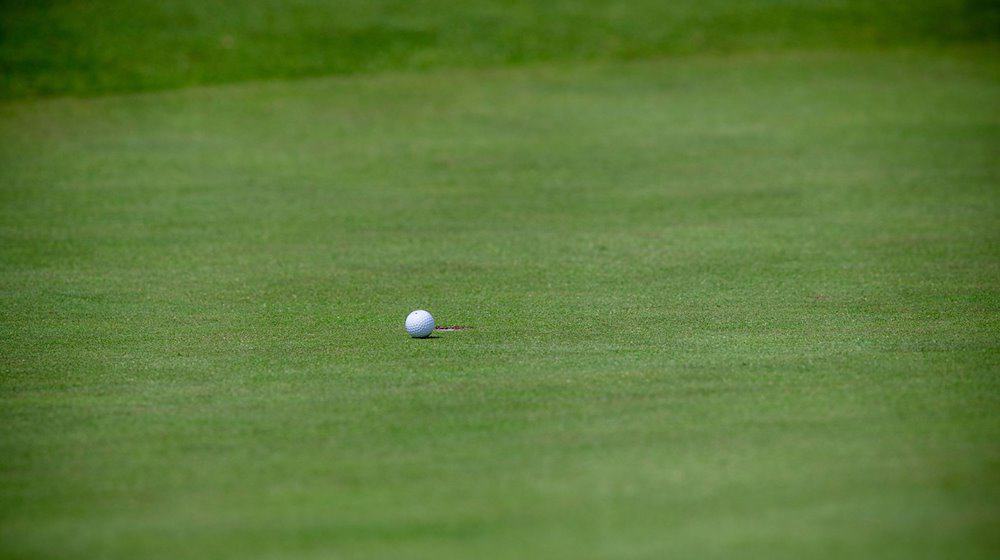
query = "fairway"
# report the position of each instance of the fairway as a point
(724, 305)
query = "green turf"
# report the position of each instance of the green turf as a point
(87, 46)
(724, 306)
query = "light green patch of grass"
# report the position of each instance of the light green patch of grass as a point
(723, 306)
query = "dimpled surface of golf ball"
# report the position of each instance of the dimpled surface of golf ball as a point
(420, 324)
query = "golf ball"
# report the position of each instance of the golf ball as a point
(420, 324)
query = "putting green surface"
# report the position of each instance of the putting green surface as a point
(723, 306)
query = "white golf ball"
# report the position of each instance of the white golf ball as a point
(420, 324)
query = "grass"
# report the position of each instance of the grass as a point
(83, 47)
(724, 305)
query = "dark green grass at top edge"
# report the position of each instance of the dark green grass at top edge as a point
(86, 48)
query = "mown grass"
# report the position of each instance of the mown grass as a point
(84, 47)
(724, 306)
